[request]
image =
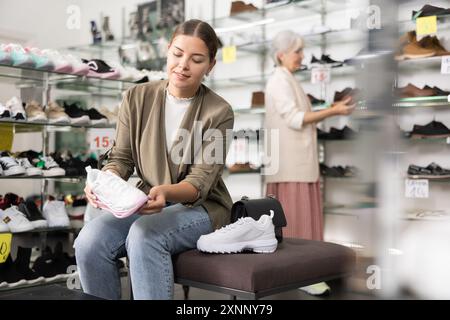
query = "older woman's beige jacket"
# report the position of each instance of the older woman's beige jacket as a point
(286, 104)
(140, 143)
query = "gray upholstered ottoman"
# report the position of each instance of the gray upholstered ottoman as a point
(295, 263)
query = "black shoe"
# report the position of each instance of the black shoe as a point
(428, 10)
(22, 265)
(34, 214)
(96, 117)
(60, 260)
(434, 129)
(314, 100)
(143, 80)
(327, 60)
(10, 274)
(43, 266)
(91, 162)
(76, 114)
(314, 60)
(437, 170)
(432, 171)
(348, 133)
(335, 134)
(98, 65)
(322, 135)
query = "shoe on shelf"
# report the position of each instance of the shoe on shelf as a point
(76, 114)
(33, 214)
(434, 129)
(100, 69)
(55, 213)
(16, 220)
(30, 170)
(333, 63)
(108, 34)
(51, 168)
(41, 60)
(17, 111)
(244, 234)
(411, 49)
(437, 91)
(10, 166)
(20, 58)
(22, 265)
(35, 112)
(5, 55)
(5, 112)
(429, 10)
(56, 114)
(432, 171)
(433, 43)
(96, 117)
(314, 100)
(96, 34)
(78, 67)
(43, 266)
(61, 64)
(10, 276)
(241, 6)
(411, 91)
(115, 194)
(318, 289)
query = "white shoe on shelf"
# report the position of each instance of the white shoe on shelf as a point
(15, 220)
(5, 112)
(3, 226)
(244, 234)
(11, 167)
(51, 168)
(16, 107)
(30, 170)
(55, 213)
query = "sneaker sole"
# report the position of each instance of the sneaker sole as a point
(80, 120)
(59, 120)
(21, 229)
(33, 172)
(54, 173)
(258, 246)
(14, 171)
(39, 118)
(39, 224)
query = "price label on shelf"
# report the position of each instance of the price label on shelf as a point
(445, 65)
(229, 54)
(320, 75)
(6, 136)
(5, 246)
(101, 139)
(416, 188)
(426, 25)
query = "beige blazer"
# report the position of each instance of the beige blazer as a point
(286, 104)
(140, 143)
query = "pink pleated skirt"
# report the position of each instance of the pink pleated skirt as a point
(302, 205)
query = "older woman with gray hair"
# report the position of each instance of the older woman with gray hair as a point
(288, 109)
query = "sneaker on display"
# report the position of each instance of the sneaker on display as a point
(96, 117)
(20, 58)
(16, 220)
(10, 276)
(59, 61)
(55, 213)
(78, 67)
(41, 61)
(35, 112)
(44, 266)
(30, 170)
(16, 107)
(56, 114)
(51, 168)
(100, 69)
(244, 234)
(33, 214)
(115, 194)
(76, 114)
(5, 55)
(10, 166)
(5, 112)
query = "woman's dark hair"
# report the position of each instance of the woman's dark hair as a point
(202, 30)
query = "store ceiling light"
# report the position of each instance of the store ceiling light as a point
(245, 26)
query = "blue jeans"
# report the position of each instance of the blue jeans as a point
(149, 241)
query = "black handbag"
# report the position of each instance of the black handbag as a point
(256, 208)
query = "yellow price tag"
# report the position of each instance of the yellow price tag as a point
(6, 136)
(5, 246)
(229, 54)
(426, 25)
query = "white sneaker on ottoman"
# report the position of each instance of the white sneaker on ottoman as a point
(244, 234)
(55, 213)
(15, 220)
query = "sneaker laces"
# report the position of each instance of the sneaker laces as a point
(233, 226)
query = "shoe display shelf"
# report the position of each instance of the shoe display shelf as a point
(24, 77)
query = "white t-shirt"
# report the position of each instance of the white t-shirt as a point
(175, 109)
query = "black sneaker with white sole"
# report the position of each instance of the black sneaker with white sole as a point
(96, 117)
(76, 114)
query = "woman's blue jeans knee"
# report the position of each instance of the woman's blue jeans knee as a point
(149, 241)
